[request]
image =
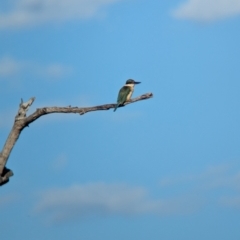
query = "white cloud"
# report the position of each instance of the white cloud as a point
(57, 70)
(10, 66)
(32, 12)
(53, 70)
(106, 199)
(207, 10)
(216, 184)
(213, 177)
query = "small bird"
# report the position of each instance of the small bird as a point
(125, 93)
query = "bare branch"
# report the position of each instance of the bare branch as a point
(21, 121)
(48, 110)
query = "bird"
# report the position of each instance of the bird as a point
(125, 93)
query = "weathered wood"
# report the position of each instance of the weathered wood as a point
(48, 110)
(22, 121)
(18, 126)
(23, 108)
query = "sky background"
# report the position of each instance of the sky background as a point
(166, 168)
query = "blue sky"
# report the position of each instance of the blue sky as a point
(166, 168)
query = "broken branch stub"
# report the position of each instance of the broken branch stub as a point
(23, 108)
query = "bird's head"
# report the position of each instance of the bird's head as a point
(131, 81)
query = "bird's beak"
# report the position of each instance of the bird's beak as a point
(137, 82)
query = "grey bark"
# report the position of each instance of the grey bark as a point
(22, 121)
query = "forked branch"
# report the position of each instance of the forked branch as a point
(22, 121)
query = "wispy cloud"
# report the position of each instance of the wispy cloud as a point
(216, 184)
(106, 199)
(10, 66)
(55, 70)
(207, 10)
(23, 13)
(211, 177)
(188, 194)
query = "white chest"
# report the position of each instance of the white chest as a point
(131, 86)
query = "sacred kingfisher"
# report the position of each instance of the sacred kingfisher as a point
(125, 93)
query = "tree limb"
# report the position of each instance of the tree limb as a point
(22, 121)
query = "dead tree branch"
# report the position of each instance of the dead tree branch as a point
(22, 121)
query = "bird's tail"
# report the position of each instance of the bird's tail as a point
(117, 105)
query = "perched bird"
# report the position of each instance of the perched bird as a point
(125, 92)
